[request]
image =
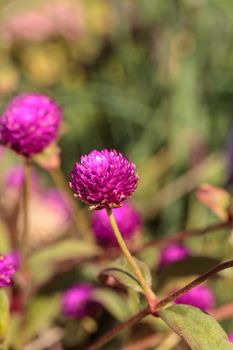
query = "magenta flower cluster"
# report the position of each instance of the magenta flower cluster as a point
(8, 266)
(128, 221)
(103, 179)
(30, 123)
(79, 301)
(172, 253)
(201, 297)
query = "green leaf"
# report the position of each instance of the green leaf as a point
(4, 315)
(41, 312)
(124, 274)
(193, 265)
(113, 302)
(200, 330)
(43, 263)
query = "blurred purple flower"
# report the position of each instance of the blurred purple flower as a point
(8, 266)
(201, 297)
(127, 218)
(78, 301)
(15, 178)
(173, 252)
(103, 179)
(53, 198)
(230, 337)
(30, 123)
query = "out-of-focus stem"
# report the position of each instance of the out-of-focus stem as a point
(26, 199)
(149, 294)
(181, 236)
(78, 216)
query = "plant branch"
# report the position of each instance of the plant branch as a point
(119, 328)
(162, 303)
(223, 312)
(183, 235)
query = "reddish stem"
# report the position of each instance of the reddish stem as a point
(146, 311)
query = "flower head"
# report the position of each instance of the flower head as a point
(8, 266)
(128, 221)
(78, 301)
(30, 123)
(200, 296)
(173, 252)
(103, 179)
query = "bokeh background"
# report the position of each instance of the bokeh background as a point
(152, 79)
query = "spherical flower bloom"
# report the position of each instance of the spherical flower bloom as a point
(30, 123)
(173, 252)
(8, 266)
(230, 337)
(201, 297)
(78, 301)
(128, 221)
(103, 179)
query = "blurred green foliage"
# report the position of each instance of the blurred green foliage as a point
(138, 76)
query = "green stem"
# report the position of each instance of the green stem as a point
(149, 294)
(26, 199)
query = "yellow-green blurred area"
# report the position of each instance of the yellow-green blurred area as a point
(152, 79)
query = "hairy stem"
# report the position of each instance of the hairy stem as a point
(26, 199)
(162, 303)
(149, 294)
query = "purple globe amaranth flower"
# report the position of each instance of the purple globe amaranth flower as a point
(30, 123)
(103, 179)
(8, 266)
(78, 301)
(128, 221)
(230, 337)
(172, 253)
(201, 297)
